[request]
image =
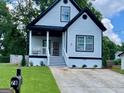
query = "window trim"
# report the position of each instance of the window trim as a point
(84, 43)
(61, 13)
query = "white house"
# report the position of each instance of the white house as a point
(121, 55)
(67, 35)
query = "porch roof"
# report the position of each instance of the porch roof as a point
(46, 28)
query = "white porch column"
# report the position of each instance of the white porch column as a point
(48, 54)
(30, 42)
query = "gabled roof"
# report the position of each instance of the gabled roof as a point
(49, 8)
(91, 15)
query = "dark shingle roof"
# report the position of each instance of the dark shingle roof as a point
(91, 15)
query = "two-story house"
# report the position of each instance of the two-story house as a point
(65, 34)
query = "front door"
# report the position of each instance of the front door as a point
(55, 48)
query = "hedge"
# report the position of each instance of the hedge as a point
(4, 59)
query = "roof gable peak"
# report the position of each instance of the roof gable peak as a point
(91, 15)
(49, 8)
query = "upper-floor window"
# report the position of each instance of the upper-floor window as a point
(84, 43)
(65, 14)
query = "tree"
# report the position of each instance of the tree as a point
(25, 11)
(5, 21)
(87, 3)
(109, 50)
(121, 48)
(13, 42)
(23, 63)
(5, 18)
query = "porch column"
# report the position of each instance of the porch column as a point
(48, 54)
(30, 42)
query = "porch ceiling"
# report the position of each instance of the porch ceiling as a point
(43, 33)
(46, 28)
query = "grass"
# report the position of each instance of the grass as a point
(117, 69)
(35, 79)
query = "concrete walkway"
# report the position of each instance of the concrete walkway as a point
(88, 80)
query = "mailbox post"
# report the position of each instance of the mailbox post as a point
(16, 81)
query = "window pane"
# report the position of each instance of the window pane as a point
(80, 43)
(89, 47)
(89, 43)
(65, 13)
(89, 39)
(44, 46)
(85, 43)
(44, 43)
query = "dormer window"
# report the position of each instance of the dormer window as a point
(65, 14)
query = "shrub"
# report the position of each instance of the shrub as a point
(84, 66)
(95, 66)
(23, 63)
(73, 66)
(117, 62)
(31, 64)
(4, 59)
(42, 64)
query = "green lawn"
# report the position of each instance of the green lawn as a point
(35, 79)
(117, 69)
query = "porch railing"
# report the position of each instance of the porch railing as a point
(39, 51)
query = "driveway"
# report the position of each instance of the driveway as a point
(88, 80)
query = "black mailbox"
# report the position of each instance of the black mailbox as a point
(14, 82)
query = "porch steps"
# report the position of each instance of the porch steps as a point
(57, 61)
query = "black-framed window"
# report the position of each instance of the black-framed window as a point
(84, 43)
(65, 14)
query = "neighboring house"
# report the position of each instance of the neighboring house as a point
(65, 34)
(116, 55)
(121, 55)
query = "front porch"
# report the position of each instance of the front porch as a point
(40, 42)
(46, 45)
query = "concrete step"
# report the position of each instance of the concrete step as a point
(57, 61)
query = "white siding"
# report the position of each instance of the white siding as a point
(52, 18)
(84, 27)
(80, 62)
(37, 61)
(37, 41)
